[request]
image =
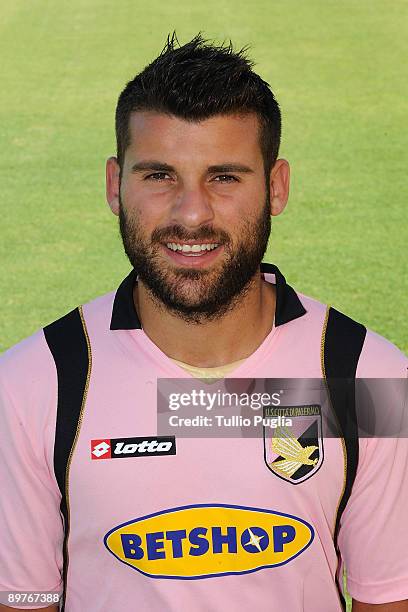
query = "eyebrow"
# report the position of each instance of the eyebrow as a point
(225, 168)
(158, 166)
(152, 165)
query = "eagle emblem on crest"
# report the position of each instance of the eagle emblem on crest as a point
(295, 453)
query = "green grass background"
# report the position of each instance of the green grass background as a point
(338, 69)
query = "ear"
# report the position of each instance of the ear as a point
(113, 184)
(279, 186)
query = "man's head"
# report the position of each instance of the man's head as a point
(197, 81)
(197, 136)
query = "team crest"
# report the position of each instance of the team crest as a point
(293, 452)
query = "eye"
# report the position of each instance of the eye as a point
(157, 176)
(225, 178)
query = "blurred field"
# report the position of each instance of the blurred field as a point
(338, 71)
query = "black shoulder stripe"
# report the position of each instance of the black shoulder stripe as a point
(67, 341)
(343, 342)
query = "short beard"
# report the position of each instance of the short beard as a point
(213, 298)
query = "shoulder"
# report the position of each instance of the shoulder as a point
(30, 363)
(23, 363)
(28, 387)
(380, 358)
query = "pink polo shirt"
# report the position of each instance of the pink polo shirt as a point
(206, 524)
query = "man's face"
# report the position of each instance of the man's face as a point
(185, 185)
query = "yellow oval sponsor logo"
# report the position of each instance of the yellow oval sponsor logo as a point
(206, 540)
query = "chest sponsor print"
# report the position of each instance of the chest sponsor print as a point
(208, 540)
(294, 453)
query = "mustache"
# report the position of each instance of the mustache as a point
(180, 233)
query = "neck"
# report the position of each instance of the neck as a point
(235, 335)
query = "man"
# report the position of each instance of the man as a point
(193, 523)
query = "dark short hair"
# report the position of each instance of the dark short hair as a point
(196, 81)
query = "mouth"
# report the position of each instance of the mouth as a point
(192, 249)
(192, 254)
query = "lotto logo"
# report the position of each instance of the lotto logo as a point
(116, 448)
(100, 449)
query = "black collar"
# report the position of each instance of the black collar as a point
(124, 315)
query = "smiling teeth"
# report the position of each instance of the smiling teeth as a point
(191, 248)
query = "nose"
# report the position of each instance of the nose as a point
(192, 208)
